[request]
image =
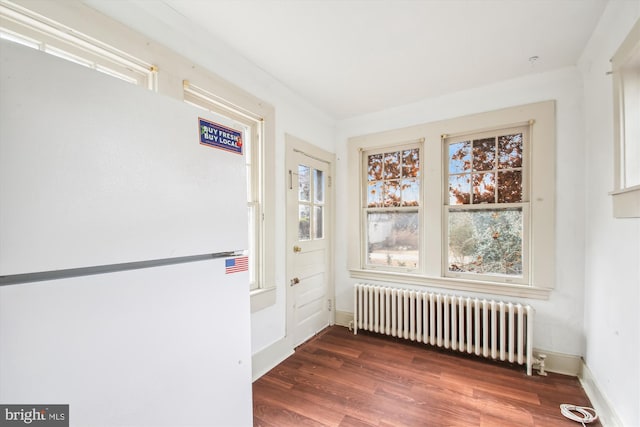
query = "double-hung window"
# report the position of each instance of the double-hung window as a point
(392, 212)
(486, 209)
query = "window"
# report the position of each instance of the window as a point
(251, 126)
(23, 26)
(463, 204)
(392, 207)
(626, 92)
(486, 205)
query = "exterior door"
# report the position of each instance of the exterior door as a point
(310, 285)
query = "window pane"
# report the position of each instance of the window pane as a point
(411, 163)
(510, 151)
(374, 169)
(460, 157)
(484, 154)
(484, 187)
(460, 189)
(410, 192)
(392, 194)
(303, 183)
(374, 194)
(304, 226)
(393, 239)
(318, 182)
(318, 224)
(509, 187)
(485, 241)
(392, 165)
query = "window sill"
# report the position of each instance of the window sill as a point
(521, 291)
(626, 202)
(262, 298)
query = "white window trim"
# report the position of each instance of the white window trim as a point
(626, 199)
(541, 195)
(37, 31)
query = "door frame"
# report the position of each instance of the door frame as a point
(296, 145)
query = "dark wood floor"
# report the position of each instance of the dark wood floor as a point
(338, 379)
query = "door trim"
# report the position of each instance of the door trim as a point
(297, 145)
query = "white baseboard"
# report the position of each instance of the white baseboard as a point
(265, 360)
(559, 363)
(343, 318)
(606, 414)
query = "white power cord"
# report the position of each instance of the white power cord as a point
(587, 415)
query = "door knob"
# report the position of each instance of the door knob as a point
(295, 281)
(297, 249)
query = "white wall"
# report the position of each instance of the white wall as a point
(558, 320)
(612, 254)
(294, 116)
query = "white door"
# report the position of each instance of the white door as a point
(310, 286)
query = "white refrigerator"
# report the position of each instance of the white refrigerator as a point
(124, 284)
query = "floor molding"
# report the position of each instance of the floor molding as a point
(343, 318)
(560, 363)
(266, 359)
(606, 414)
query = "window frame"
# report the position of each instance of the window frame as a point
(540, 117)
(626, 197)
(523, 128)
(26, 27)
(366, 209)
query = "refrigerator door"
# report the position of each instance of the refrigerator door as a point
(163, 346)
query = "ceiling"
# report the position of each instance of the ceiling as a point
(352, 57)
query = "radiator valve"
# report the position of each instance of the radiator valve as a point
(538, 362)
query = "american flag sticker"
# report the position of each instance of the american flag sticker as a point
(235, 265)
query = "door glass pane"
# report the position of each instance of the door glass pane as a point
(304, 219)
(485, 241)
(303, 183)
(318, 182)
(318, 224)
